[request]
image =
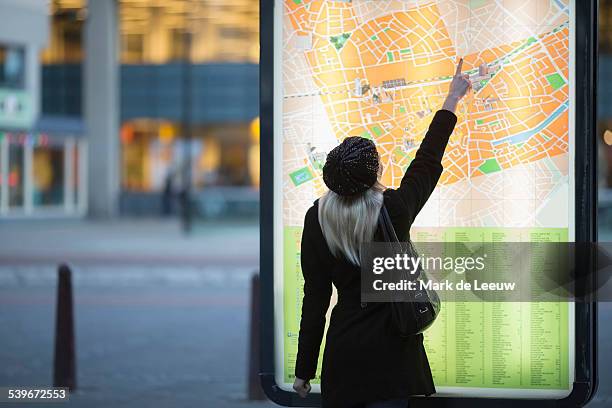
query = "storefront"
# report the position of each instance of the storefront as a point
(42, 161)
(154, 150)
(153, 166)
(42, 174)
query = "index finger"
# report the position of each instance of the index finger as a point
(459, 67)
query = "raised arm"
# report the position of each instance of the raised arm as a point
(425, 169)
(317, 294)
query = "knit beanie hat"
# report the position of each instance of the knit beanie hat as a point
(351, 167)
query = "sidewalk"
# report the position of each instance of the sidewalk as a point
(161, 320)
(136, 346)
(128, 241)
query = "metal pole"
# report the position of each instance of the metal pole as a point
(254, 390)
(187, 106)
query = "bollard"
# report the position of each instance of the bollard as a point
(255, 392)
(64, 362)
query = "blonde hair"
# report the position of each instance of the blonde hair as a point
(347, 221)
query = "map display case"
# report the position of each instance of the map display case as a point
(519, 167)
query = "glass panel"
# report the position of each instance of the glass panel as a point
(16, 175)
(67, 22)
(223, 31)
(153, 156)
(605, 26)
(48, 175)
(150, 154)
(152, 32)
(61, 59)
(12, 67)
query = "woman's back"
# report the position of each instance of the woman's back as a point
(365, 359)
(360, 337)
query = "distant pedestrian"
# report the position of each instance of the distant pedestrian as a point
(168, 194)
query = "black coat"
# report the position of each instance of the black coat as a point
(364, 359)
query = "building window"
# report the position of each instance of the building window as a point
(12, 67)
(16, 173)
(605, 26)
(133, 47)
(66, 32)
(48, 175)
(153, 153)
(221, 31)
(41, 174)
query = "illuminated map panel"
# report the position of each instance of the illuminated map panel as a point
(380, 69)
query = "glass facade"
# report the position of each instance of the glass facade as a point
(154, 150)
(155, 31)
(65, 43)
(168, 33)
(605, 26)
(16, 173)
(153, 154)
(61, 73)
(156, 39)
(48, 178)
(41, 175)
(167, 48)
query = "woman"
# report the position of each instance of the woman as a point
(365, 364)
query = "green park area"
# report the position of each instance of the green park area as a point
(555, 80)
(490, 166)
(338, 41)
(301, 176)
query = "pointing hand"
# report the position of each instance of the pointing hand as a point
(459, 87)
(460, 84)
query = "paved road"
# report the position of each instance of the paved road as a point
(129, 241)
(140, 342)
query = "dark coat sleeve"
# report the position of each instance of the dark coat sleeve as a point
(424, 171)
(317, 294)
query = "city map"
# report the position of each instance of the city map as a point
(380, 69)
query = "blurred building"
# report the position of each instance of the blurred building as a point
(41, 158)
(107, 106)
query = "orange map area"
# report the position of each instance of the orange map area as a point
(385, 77)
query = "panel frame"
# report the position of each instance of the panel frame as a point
(585, 169)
